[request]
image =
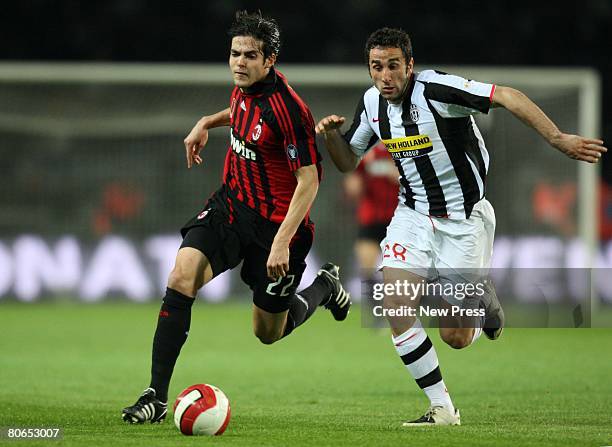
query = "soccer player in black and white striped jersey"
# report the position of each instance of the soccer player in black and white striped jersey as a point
(442, 223)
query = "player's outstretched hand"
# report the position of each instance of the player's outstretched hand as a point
(194, 142)
(580, 148)
(328, 123)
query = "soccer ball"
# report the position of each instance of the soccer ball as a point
(202, 410)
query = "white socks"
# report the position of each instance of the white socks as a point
(418, 354)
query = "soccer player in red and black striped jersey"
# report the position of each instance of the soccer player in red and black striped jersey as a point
(259, 216)
(373, 186)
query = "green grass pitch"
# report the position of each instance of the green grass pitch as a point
(75, 366)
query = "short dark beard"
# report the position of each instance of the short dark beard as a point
(400, 98)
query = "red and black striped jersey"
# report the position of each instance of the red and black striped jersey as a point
(271, 136)
(379, 198)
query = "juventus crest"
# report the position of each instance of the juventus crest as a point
(414, 113)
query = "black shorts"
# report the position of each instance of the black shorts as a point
(374, 232)
(228, 232)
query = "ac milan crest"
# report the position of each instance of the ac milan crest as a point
(256, 133)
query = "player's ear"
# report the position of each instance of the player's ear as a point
(410, 66)
(270, 61)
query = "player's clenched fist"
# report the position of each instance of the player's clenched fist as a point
(328, 123)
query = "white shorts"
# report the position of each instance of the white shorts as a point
(429, 246)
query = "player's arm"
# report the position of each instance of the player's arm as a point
(574, 146)
(303, 196)
(339, 150)
(198, 137)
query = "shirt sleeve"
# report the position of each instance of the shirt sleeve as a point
(360, 135)
(297, 127)
(455, 97)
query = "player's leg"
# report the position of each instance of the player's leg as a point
(207, 250)
(465, 249)
(268, 326)
(281, 310)
(368, 256)
(416, 350)
(459, 332)
(191, 271)
(494, 318)
(463, 321)
(406, 260)
(325, 290)
(278, 309)
(272, 299)
(367, 252)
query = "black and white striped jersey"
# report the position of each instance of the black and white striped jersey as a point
(432, 136)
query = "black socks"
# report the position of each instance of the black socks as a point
(171, 333)
(304, 303)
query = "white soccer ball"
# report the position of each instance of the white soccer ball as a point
(202, 410)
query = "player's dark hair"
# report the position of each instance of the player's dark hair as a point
(389, 38)
(260, 28)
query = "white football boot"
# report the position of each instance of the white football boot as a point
(435, 416)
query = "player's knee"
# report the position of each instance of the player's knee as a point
(182, 280)
(267, 338)
(457, 339)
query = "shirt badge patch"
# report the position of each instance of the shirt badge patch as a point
(414, 113)
(292, 152)
(256, 133)
(203, 214)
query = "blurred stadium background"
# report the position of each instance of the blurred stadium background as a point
(96, 99)
(95, 201)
